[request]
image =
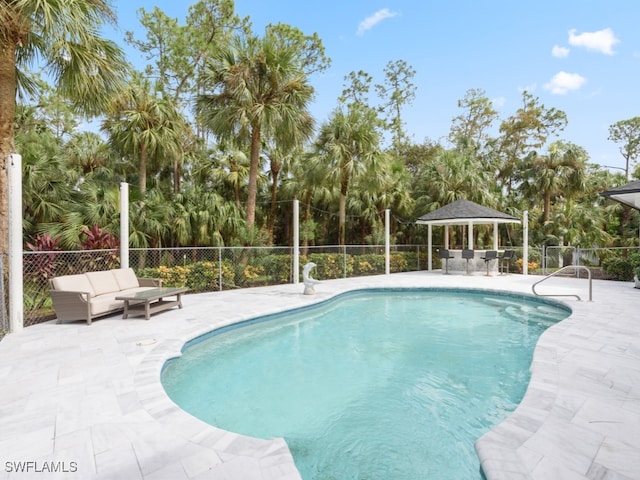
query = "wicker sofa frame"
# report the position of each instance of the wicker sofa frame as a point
(90, 295)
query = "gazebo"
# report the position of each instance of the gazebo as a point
(628, 194)
(466, 213)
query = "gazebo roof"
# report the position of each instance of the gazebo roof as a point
(628, 194)
(463, 212)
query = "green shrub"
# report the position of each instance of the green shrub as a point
(619, 268)
(368, 264)
(197, 277)
(635, 261)
(278, 267)
(329, 265)
(399, 262)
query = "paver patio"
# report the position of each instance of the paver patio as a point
(87, 400)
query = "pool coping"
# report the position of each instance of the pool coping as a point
(92, 394)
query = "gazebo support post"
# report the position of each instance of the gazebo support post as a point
(470, 239)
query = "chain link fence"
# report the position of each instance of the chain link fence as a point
(557, 257)
(207, 269)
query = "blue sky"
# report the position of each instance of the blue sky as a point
(579, 56)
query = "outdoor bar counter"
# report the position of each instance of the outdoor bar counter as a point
(477, 266)
(466, 214)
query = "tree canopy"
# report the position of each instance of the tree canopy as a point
(216, 137)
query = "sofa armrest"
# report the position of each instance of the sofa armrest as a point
(150, 282)
(65, 296)
(71, 305)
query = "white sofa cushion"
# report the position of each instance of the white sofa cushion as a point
(105, 303)
(103, 282)
(73, 283)
(126, 278)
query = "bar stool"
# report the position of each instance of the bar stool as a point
(468, 254)
(505, 259)
(488, 256)
(443, 253)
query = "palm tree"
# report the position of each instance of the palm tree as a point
(228, 169)
(46, 184)
(93, 203)
(203, 217)
(450, 176)
(64, 36)
(307, 182)
(259, 89)
(350, 143)
(388, 187)
(143, 125)
(87, 151)
(578, 223)
(560, 173)
(279, 161)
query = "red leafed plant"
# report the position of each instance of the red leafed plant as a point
(97, 239)
(42, 264)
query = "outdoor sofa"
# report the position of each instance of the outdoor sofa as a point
(89, 295)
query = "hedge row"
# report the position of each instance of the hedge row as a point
(275, 269)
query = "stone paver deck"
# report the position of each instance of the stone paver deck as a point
(87, 400)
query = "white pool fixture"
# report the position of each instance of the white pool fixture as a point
(308, 281)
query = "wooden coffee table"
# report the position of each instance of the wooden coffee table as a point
(151, 301)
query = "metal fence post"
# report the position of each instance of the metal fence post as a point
(124, 225)
(296, 242)
(387, 240)
(3, 299)
(344, 260)
(220, 268)
(16, 260)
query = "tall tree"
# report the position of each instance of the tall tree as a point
(559, 174)
(258, 88)
(313, 58)
(144, 126)
(350, 144)
(307, 182)
(46, 181)
(469, 129)
(86, 69)
(277, 161)
(176, 53)
(88, 151)
(452, 175)
(396, 92)
(356, 88)
(627, 133)
(525, 132)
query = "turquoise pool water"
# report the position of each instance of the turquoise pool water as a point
(372, 385)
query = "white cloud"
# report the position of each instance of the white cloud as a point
(563, 82)
(559, 52)
(372, 20)
(601, 41)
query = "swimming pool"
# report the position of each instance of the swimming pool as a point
(374, 384)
